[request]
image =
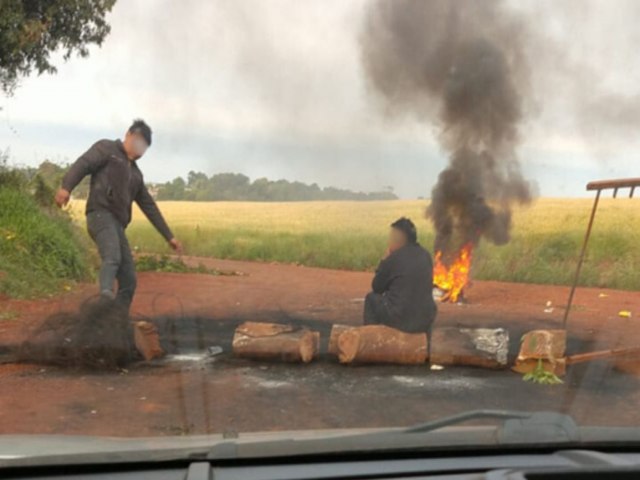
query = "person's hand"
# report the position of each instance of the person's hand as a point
(62, 197)
(176, 245)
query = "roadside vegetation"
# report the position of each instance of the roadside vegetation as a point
(41, 250)
(168, 264)
(544, 249)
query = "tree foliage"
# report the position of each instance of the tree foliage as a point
(235, 186)
(198, 187)
(31, 30)
(41, 181)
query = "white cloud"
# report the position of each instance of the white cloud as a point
(243, 78)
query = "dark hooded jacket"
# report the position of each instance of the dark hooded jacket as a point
(116, 182)
(405, 279)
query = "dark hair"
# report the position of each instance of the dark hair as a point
(407, 227)
(139, 126)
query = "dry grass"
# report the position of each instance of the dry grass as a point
(546, 236)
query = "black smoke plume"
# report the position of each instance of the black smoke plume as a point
(457, 65)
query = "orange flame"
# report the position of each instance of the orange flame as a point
(453, 278)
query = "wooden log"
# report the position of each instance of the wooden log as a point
(544, 344)
(263, 329)
(381, 344)
(264, 341)
(336, 331)
(147, 340)
(478, 347)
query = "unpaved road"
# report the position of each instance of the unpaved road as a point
(222, 394)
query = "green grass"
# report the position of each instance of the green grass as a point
(41, 251)
(546, 237)
(8, 315)
(167, 264)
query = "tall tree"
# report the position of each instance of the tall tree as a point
(30, 30)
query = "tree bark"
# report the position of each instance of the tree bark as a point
(478, 347)
(381, 344)
(272, 341)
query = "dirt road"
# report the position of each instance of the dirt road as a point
(190, 393)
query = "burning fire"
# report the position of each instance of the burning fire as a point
(453, 278)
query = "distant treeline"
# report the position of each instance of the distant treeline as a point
(235, 186)
(50, 174)
(219, 187)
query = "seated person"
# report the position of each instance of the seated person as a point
(402, 295)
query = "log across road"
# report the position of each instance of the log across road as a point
(230, 394)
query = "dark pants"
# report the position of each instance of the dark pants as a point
(377, 313)
(375, 310)
(117, 261)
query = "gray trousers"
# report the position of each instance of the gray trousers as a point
(117, 261)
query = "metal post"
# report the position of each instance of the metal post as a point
(581, 260)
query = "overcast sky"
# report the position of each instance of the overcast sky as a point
(276, 88)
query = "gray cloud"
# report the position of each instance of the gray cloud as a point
(235, 72)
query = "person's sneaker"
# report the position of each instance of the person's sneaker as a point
(107, 294)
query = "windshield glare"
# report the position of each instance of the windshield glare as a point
(316, 218)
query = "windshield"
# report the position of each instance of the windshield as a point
(313, 217)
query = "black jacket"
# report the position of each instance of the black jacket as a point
(116, 182)
(405, 278)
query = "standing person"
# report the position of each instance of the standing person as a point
(116, 182)
(402, 295)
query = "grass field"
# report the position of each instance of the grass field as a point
(351, 235)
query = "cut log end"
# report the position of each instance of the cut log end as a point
(336, 331)
(543, 344)
(147, 340)
(309, 346)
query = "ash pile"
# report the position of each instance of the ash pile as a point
(98, 336)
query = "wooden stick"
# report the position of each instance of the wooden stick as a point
(602, 354)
